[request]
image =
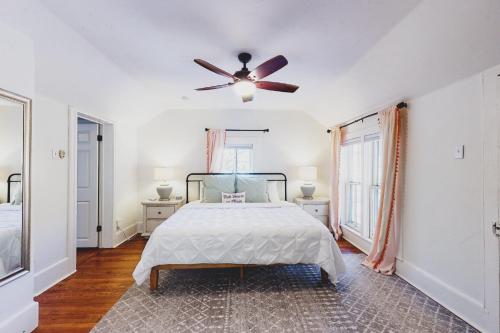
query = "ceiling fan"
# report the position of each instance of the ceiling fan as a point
(245, 82)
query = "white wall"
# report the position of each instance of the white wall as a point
(178, 139)
(18, 311)
(442, 227)
(52, 260)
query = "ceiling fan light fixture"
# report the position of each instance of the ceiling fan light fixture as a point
(245, 82)
(244, 88)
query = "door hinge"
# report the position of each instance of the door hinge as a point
(496, 229)
(99, 137)
(99, 228)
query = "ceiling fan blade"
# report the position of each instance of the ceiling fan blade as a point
(276, 86)
(214, 69)
(215, 87)
(268, 67)
(247, 98)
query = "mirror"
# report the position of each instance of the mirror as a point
(15, 113)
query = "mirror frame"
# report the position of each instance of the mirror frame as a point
(26, 186)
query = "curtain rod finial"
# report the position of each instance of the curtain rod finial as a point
(402, 105)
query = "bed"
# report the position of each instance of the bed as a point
(212, 235)
(10, 232)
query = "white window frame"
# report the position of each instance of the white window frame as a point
(362, 133)
(238, 147)
(246, 139)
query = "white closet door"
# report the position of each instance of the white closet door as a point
(87, 186)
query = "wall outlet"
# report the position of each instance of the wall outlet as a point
(459, 152)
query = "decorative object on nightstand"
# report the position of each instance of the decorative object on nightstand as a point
(157, 211)
(308, 174)
(163, 175)
(317, 207)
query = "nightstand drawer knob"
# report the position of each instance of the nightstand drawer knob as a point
(159, 213)
(316, 210)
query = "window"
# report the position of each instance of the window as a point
(360, 177)
(238, 158)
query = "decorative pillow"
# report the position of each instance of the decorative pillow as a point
(213, 186)
(255, 188)
(272, 191)
(233, 197)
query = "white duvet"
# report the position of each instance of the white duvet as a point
(10, 237)
(260, 233)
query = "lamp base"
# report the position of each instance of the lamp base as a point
(308, 191)
(164, 192)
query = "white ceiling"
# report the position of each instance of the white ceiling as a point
(156, 41)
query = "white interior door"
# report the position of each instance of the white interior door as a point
(87, 186)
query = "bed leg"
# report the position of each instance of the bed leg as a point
(242, 273)
(153, 279)
(324, 276)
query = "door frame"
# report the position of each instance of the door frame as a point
(491, 187)
(106, 180)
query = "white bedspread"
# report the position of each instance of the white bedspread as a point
(259, 233)
(10, 237)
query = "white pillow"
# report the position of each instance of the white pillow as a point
(233, 197)
(18, 197)
(272, 192)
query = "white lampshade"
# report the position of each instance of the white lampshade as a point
(162, 174)
(308, 173)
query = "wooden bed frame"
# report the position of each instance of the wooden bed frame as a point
(198, 178)
(155, 271)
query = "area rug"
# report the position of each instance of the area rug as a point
(279, 299)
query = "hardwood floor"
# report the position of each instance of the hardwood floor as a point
(77, 303)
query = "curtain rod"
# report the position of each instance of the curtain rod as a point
(265, 130)
(401, 105)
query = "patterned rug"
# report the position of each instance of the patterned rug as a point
(279, 299)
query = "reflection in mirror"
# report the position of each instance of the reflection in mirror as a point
(11, 187)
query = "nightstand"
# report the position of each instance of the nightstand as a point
(317, 207)
(154, 212)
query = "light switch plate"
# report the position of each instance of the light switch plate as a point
(459, 152)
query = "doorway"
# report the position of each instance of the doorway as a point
(87, 182)
(91, 184)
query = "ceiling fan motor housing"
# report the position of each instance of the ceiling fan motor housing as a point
(244, 58)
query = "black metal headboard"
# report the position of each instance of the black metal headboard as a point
(273, 177)
(13, 178)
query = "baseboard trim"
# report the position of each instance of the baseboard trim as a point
(462, 305)
(51, 275)
(25, 320)
(121, 236)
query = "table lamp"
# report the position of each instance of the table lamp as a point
(308, 174)
(163, 175)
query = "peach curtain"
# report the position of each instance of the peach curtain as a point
(382, 257)
(216, 140)
(334, 182)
